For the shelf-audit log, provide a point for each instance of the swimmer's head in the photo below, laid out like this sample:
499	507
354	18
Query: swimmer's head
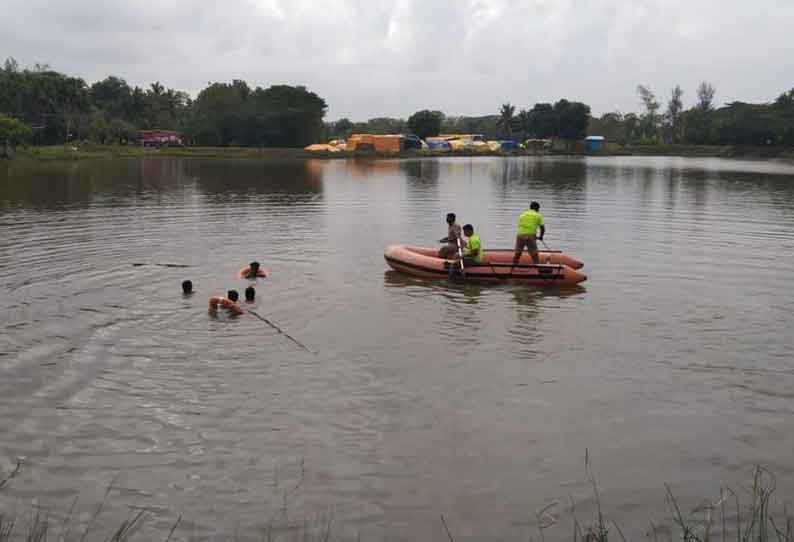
253	268
233	296
250	293
187	287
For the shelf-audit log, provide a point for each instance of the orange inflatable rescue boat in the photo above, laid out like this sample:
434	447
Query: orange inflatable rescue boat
555	269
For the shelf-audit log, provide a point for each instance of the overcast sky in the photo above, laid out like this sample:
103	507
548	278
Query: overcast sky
389	58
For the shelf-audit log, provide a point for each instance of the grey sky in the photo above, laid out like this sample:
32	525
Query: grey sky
389	58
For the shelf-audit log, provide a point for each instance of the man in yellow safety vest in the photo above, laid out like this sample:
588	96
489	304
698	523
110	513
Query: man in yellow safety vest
528	224
472	254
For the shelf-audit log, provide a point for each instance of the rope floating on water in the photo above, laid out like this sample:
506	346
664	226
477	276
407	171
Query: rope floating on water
138	264
287	335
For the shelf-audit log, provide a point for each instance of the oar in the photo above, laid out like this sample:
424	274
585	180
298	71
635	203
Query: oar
287	335
559	266
460	255
513	250
547	248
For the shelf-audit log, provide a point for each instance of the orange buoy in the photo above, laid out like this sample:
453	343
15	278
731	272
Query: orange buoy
497	266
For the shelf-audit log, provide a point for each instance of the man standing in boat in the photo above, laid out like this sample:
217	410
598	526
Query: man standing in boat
451	240
528	224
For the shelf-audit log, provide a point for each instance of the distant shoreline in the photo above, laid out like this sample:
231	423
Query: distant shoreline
93	151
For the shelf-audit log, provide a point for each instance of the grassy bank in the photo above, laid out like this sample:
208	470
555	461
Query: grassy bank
750	514
93	151
715	151
90	151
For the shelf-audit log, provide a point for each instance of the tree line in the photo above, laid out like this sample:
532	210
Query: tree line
704	123
565	119
43	106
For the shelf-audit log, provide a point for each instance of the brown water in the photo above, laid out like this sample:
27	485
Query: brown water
673	364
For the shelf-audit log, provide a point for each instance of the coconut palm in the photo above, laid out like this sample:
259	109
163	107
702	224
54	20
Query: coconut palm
506	119
157	88
524	119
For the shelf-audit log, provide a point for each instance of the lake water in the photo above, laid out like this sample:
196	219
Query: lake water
672	365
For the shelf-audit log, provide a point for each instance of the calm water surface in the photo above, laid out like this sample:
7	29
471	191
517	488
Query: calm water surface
673	364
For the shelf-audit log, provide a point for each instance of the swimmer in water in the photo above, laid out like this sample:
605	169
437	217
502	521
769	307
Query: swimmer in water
253	270
187	287
229	303
250	294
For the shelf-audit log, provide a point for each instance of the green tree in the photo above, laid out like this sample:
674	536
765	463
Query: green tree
426	123
384	125
784	111
698	123
161	106
740	123
98	128
13	133
523	119
291	116
122	132
705	97
631	123
542	121
650	120
506	119
112	95
572	119
11	65
341	128
485	125
613	126
672	116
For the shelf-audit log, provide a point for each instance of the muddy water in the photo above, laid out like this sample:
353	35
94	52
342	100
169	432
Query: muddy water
673	364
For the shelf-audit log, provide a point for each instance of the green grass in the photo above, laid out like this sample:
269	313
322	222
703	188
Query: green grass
90	151
753	517
715	151
93	151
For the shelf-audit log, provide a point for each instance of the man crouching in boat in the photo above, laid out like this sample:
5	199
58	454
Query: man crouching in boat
472	254
451	240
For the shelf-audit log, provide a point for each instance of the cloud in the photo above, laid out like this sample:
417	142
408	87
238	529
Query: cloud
373	58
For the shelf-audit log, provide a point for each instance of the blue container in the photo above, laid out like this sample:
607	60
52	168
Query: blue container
439	145
594	143
508	145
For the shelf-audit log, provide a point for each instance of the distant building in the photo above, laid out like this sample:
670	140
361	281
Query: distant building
594	143
159	138
468	138
537	145
391	143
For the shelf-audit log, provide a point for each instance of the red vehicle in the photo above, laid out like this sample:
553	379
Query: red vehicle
159	138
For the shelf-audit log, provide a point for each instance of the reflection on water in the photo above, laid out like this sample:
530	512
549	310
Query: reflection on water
672	365
119	181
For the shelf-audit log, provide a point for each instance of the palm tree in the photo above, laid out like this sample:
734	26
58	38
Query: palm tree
157	88
524	121
506	119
